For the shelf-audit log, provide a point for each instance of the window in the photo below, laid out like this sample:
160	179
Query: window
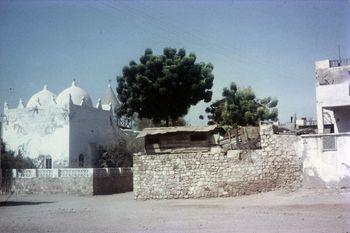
198	137
81	160
329	143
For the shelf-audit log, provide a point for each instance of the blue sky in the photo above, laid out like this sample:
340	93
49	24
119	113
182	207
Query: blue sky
268	45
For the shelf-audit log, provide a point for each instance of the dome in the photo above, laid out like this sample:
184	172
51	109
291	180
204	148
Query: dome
42	98
77	94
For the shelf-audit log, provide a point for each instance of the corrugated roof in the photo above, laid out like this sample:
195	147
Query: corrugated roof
164	130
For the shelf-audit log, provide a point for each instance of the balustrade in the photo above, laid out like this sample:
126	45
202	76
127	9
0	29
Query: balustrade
71	172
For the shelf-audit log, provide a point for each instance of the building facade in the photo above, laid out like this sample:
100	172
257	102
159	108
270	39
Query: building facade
326	155
333	96
61	131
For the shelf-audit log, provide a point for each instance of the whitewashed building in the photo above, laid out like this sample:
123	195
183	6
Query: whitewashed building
61	131
326	155
333	95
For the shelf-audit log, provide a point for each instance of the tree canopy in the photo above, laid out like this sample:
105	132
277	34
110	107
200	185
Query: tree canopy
241	107
163	87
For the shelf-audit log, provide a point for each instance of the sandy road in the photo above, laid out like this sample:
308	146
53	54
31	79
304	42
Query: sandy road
302	211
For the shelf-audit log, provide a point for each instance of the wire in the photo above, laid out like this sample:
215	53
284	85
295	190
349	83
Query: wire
169	24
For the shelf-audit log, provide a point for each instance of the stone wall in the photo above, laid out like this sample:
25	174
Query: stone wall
219	174
86	181
281	154
67	185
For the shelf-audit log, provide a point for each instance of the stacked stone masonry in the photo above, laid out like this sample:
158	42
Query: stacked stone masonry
217	174
79	181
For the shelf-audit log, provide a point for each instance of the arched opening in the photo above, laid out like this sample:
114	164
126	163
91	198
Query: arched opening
48	162
81	160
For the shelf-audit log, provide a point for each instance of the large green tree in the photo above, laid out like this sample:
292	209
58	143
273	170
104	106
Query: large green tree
241	107
163	87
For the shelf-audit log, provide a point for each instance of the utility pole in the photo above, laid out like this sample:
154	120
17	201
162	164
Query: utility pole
339	57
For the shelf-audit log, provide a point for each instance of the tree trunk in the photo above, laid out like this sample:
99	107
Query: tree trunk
167	121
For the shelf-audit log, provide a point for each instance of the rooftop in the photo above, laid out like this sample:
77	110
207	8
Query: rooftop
323	64
341	62
165	130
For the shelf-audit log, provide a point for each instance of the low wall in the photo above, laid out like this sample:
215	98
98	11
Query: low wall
68	185
118	182
326	166
219	174
81	181
113	184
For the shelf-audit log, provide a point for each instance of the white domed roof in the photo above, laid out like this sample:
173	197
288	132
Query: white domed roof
77	94
42	98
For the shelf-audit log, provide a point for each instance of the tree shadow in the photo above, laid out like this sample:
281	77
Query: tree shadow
20	203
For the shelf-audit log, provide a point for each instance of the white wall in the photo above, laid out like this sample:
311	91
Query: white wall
333	95
322	64
326	168
89	128
41	132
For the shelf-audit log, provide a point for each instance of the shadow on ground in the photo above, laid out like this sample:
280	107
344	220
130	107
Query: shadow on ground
19	203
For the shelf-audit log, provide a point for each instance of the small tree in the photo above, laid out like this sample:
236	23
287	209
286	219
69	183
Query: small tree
11	161
163	87
241	107
116	155
120	152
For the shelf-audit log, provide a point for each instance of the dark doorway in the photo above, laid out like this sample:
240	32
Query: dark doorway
81	160
48	162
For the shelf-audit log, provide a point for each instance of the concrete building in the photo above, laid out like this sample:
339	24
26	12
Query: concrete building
326	155
333	95
301	125
62	131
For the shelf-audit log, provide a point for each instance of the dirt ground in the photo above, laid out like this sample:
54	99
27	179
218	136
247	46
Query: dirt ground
302	211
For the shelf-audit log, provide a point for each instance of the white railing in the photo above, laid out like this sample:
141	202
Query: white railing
25	173
44	172
75	172
341	62
120	171
71	172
